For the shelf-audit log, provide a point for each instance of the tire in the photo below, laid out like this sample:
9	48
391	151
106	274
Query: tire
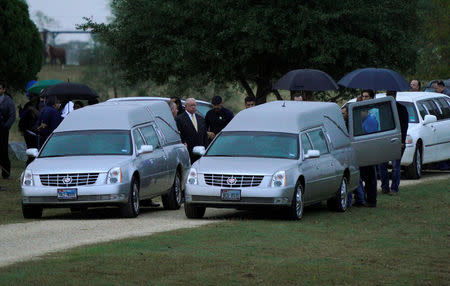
82	210
339	202
174	199
414	171
295	211
131	208
31	211
194	212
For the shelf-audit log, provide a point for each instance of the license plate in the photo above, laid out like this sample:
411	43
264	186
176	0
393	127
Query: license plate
230	195
67	194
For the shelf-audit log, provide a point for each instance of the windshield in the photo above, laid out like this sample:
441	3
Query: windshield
255	144
91	142
412	114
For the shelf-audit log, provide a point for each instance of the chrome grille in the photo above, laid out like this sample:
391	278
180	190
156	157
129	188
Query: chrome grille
240	181
62	180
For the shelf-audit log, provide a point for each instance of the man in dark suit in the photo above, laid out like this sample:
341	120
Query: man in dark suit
192	128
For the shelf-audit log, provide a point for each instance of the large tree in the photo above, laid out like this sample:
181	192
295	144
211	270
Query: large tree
256	42
21	48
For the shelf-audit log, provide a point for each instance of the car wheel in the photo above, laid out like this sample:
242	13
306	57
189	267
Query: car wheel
173	200
339	202
295	211
194	212
82	210
31	211
131	208
414	171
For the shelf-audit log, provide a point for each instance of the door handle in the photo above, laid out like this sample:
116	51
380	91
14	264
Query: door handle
394	140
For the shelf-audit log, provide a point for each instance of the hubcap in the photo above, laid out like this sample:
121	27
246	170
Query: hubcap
343	194
299	203
135	198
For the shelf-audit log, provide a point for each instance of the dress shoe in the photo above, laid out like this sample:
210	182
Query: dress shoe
385	191
392	193
369	205
358	204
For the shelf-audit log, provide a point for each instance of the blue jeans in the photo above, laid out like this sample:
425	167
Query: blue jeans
359	195
395	176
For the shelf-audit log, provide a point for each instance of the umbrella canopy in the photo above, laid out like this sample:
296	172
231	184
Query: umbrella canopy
42	84
306	79
376	79
70	91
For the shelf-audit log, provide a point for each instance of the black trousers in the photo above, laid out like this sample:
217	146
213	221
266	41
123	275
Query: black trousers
31	142
4	158
369	177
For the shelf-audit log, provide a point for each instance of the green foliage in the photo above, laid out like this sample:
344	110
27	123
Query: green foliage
255	42
21	48
434	53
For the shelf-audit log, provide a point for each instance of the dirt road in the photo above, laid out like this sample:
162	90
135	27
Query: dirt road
23	241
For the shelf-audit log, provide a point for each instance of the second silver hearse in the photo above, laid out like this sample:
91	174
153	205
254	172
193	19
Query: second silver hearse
113	153
289	155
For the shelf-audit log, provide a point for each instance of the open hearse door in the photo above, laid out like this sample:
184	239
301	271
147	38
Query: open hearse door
375	132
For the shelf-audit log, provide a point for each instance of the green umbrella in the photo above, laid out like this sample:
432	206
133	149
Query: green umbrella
40	85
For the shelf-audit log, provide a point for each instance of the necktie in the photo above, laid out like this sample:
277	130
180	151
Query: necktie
194	121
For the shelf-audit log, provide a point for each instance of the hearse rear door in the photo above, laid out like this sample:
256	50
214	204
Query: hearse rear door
374	129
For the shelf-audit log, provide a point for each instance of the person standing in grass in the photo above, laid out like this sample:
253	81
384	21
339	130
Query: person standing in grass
7	117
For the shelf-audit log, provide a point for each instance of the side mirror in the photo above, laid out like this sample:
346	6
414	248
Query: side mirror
145	149
312	154
429	119
32	152
199	150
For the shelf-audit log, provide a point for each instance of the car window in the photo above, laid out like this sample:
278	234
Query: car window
170	132
255	144
203	109
422	110
412	113
432	108
138	140
444	107
306	145
150	136
90	142
373	118
318	141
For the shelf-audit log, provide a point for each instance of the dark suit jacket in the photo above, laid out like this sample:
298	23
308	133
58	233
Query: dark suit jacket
189	135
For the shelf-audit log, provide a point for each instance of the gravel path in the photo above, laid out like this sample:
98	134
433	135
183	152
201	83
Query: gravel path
24	241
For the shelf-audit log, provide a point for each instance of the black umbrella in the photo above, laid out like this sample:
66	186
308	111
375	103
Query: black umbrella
376	79
70	91
306	79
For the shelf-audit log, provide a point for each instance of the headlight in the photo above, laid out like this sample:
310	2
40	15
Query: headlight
27	178
409	139
114	176
192	177
279	179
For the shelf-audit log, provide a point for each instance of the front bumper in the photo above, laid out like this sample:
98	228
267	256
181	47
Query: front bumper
86	195
408	155
205	195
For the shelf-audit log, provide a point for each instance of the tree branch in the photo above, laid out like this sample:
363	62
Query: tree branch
247	87
277	94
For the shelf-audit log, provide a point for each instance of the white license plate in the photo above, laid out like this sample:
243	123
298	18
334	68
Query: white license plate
230	195
67	194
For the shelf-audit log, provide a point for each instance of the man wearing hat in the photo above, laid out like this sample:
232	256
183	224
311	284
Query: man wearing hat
217	118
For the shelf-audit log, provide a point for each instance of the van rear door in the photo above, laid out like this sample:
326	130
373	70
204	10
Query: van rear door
375	132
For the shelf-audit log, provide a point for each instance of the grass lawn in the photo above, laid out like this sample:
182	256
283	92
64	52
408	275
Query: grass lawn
404	241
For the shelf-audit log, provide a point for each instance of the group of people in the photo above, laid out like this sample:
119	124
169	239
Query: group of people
37	120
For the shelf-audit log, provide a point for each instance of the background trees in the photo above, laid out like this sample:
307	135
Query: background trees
255	42
21	48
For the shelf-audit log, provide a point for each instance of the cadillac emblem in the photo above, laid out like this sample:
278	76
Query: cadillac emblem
231	180
67	180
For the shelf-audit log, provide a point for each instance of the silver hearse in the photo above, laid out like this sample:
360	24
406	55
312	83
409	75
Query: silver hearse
289	155
113	153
